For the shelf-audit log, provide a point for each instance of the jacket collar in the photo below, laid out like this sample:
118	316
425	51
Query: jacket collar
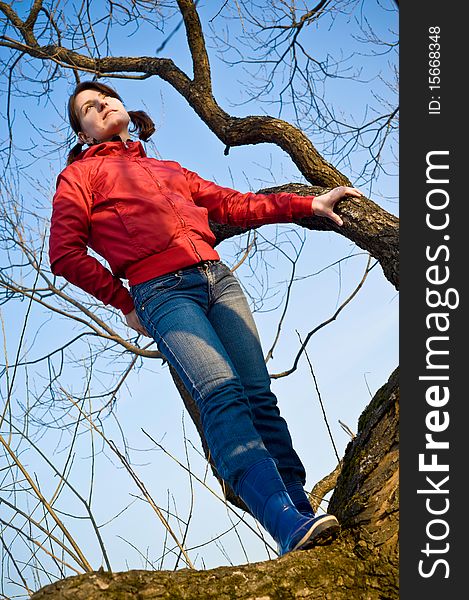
115	147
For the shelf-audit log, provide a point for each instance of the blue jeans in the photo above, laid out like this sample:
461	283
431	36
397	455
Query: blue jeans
203	326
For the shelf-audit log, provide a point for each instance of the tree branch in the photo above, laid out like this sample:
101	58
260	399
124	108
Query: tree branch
232	131
196	41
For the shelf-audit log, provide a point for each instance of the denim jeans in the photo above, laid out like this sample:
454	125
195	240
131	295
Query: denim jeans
203	326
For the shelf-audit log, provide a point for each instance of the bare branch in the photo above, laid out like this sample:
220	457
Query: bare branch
82	560
323	487
196	40
323	324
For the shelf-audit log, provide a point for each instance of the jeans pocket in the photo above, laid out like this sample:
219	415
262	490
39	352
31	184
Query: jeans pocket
150	290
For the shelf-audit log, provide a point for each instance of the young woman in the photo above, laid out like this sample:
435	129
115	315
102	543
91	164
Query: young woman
149	219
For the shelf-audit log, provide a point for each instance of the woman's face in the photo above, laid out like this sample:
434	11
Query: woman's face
101	117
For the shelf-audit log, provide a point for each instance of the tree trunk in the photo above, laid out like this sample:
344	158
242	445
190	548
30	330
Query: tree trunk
362	564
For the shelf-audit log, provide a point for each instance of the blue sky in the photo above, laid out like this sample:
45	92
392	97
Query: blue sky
352	357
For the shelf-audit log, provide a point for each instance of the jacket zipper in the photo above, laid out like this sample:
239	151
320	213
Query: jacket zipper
173	206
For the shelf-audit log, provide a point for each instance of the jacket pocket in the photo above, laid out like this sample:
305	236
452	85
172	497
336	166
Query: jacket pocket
197	222
151	225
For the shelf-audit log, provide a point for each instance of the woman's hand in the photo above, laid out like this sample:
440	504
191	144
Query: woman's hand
134	322
323	206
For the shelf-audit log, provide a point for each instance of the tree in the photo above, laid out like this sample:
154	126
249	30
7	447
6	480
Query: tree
49	43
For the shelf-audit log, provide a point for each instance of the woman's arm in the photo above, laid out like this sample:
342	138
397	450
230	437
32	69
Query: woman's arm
68	243
226	205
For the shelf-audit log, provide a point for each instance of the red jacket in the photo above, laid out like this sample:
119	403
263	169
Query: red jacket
146	217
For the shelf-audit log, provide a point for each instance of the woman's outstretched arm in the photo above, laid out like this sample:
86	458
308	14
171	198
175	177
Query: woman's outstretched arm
229	206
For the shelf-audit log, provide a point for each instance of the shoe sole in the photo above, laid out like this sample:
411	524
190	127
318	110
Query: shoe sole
322	532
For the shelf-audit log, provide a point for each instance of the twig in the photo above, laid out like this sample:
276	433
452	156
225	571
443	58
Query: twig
208	488
82	560
320	401
324	486
138	482
323	324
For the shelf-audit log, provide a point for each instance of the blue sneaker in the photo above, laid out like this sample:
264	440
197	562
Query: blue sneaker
318	531
264	493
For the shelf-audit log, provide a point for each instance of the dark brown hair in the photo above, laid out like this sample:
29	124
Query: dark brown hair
141	122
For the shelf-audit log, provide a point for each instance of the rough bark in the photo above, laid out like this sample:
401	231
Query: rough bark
362	564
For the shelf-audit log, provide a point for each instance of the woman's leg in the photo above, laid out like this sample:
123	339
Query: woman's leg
232	320
173	310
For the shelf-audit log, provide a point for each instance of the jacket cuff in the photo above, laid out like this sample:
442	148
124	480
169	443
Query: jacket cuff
123	301
301	207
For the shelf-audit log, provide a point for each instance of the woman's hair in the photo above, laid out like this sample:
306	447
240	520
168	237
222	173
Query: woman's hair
141	122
